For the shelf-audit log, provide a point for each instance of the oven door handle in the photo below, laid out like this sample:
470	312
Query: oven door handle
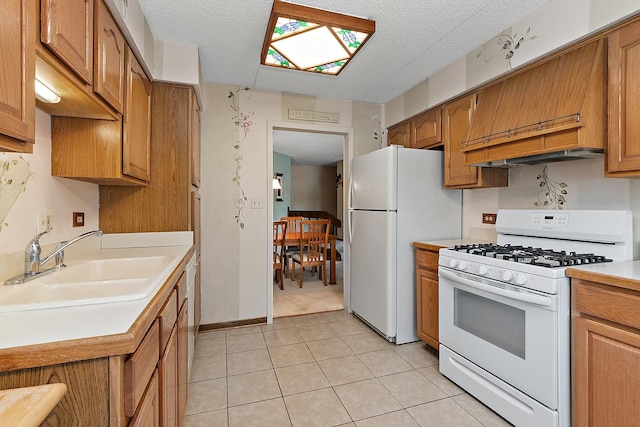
518	296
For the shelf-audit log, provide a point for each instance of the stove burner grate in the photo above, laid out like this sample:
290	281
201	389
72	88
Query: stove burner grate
530	255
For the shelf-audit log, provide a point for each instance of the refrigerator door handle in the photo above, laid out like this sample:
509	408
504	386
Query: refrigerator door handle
350	226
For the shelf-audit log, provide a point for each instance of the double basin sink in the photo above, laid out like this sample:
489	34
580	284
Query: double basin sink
95	281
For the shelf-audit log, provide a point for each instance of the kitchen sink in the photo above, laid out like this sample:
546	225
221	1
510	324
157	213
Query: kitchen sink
93	282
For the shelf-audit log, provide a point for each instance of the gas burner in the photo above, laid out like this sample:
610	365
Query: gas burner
530	255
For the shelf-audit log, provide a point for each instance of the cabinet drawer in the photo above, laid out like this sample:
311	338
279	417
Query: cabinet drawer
139	367
167	317
426	259
606	302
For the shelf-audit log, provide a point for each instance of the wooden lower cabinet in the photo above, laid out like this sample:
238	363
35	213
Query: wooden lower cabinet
427	295
605	355
148	414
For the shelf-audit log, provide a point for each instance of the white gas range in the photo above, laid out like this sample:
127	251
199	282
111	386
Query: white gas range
505	308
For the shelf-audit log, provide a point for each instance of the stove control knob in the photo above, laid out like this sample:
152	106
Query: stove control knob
483	270
521	279
462	265
453	263
507	276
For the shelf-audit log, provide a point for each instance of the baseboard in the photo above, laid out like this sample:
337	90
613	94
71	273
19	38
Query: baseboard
224	325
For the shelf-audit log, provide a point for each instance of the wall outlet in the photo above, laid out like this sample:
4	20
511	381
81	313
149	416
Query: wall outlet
45	221
256	203
78	219
489	218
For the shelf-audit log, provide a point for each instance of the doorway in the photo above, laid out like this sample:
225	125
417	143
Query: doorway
313	297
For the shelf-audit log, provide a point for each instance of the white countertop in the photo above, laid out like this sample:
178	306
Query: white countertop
629	270
42	326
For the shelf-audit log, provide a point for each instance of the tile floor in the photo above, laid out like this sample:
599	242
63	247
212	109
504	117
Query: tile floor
325	369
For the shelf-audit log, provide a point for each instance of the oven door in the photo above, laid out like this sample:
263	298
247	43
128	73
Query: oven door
509	331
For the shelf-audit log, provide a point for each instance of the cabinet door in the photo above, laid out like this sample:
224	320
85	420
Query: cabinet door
624	105
148	414
67	30
17	68
457	119
195	141
168	372
183	360
400	135
108	80
606	378
136	127
426	129
427	310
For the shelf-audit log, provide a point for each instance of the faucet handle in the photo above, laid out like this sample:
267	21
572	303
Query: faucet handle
32	253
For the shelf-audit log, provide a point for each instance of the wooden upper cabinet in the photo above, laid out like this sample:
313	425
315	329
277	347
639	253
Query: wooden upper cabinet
136	127
110	45
400	135
623	156
457	117
456	122
17	71
426	129
67	30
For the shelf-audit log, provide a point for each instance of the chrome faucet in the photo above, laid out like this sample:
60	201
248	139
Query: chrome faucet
32	262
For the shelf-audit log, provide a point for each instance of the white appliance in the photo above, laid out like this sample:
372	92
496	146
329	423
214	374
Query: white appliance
505	308
396	197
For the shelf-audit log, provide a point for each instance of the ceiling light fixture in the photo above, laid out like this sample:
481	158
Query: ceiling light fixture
307	39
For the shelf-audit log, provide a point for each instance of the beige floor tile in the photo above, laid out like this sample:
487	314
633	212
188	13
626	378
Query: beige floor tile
309	319
337	316
411	388
349	327
208	368
281	323
292	354
418	354
267	413
486	416
329	349
384	362
248	361
443	412
364	343
282	337
243	330
210	347
316	408
300	378
316	332
237	343
207	419
392	419
344	370
443	383
365	399
206	335
207	396
253	387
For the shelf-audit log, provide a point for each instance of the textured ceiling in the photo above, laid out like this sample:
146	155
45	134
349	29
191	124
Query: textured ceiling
413	40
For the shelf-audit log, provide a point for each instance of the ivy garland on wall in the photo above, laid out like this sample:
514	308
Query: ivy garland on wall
238	135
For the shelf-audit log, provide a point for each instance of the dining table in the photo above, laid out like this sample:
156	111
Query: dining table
293	239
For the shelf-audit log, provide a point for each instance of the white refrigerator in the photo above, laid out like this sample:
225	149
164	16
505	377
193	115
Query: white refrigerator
396	197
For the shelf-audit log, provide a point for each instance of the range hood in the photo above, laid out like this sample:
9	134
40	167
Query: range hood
552	112
556	156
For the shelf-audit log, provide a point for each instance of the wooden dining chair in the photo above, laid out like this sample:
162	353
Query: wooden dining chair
293	226
314	238
279	233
